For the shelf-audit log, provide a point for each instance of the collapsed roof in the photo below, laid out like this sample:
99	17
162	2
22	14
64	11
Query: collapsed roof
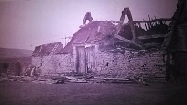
93	32
116	33
48	49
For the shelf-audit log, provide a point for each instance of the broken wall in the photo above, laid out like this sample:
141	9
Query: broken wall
12	69
55	64
130	64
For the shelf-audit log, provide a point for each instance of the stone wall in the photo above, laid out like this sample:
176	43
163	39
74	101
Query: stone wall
12	69
108	64
55	64
130	64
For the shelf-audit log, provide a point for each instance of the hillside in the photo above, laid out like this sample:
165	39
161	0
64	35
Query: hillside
14	53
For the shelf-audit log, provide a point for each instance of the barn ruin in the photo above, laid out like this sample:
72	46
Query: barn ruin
113	49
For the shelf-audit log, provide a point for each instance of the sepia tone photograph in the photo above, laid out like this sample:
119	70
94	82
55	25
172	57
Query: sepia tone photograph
93	52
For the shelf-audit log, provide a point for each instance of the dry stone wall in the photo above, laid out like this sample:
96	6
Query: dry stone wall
55	64
130	64
108	64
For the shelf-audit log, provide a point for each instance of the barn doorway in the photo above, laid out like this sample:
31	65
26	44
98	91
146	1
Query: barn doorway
85	59
90	64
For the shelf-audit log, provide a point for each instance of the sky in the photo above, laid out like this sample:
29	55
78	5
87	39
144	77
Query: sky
25	24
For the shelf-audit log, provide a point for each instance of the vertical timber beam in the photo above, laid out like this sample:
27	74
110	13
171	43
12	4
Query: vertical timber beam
75	58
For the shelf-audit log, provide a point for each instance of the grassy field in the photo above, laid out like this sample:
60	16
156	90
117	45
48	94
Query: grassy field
6	53
16	93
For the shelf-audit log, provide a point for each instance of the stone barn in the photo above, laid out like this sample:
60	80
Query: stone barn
109	49
97	50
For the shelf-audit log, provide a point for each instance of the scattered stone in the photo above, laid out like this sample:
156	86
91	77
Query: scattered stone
3	80
81	81
60	82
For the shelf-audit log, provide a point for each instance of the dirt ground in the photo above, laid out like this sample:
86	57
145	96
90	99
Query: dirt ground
16	93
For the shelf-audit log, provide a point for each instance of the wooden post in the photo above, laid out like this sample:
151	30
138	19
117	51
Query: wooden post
75	57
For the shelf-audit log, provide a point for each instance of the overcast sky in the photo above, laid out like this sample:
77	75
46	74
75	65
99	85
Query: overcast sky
25	24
